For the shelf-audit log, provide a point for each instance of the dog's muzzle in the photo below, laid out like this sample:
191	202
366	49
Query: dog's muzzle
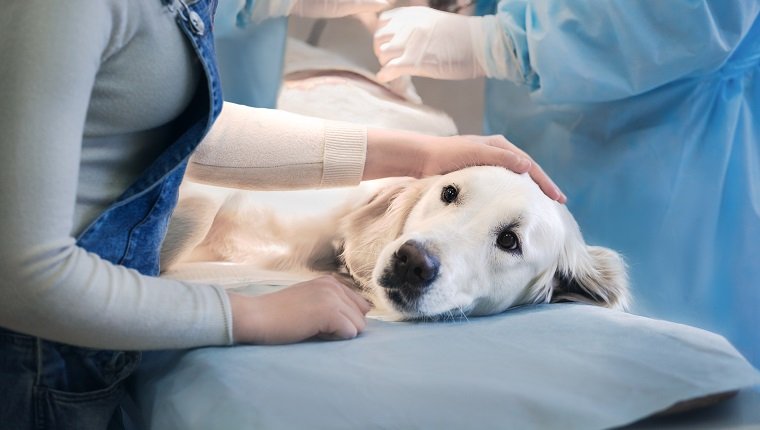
412	267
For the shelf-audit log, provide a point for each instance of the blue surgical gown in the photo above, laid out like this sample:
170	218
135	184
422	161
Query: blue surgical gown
250	55
647	114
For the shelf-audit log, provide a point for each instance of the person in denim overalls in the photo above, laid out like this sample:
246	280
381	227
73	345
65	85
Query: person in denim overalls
53	385
45	381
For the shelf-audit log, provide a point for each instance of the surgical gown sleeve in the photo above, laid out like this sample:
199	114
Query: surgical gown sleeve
601	50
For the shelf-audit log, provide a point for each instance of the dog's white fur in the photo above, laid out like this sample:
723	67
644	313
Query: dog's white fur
474	275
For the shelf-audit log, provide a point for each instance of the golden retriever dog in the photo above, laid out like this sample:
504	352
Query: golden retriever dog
476	241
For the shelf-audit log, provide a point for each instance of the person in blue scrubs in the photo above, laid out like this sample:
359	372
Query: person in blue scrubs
646	113
250	38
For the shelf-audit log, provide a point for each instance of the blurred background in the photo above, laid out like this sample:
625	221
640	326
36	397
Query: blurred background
348	37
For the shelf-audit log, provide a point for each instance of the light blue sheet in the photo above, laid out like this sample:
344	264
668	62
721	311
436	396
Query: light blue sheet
548	366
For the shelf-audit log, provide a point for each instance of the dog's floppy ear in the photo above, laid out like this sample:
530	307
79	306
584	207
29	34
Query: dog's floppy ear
582	273
591	274
372	225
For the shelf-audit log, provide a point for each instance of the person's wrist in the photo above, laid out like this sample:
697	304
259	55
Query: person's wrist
244	318
395	153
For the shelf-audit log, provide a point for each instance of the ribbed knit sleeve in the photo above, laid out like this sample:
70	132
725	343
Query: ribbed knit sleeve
268	149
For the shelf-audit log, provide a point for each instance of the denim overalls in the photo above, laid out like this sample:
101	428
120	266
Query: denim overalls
48	385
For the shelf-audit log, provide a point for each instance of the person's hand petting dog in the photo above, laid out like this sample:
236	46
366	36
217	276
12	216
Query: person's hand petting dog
400	153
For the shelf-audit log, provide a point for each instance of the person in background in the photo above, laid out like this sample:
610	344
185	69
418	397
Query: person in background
104	105
648	115
250	39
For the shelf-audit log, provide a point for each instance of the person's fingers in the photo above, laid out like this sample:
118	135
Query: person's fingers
361	303
535	171
352	298
546	184
512	160
356	318
339	327
344	279
500	141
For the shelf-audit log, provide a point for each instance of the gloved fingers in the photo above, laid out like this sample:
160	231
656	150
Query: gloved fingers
382	35
392	34
388	15
421	41
388	39
397	55
385	49
394	69
398	48
382	44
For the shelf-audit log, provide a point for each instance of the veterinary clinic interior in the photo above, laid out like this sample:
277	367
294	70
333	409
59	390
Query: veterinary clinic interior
380	214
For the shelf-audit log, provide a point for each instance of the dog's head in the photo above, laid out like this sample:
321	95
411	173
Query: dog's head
476	241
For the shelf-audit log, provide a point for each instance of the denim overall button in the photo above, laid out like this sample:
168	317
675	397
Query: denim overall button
196	23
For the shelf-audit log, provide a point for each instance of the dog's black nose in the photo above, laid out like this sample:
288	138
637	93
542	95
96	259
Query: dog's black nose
414	266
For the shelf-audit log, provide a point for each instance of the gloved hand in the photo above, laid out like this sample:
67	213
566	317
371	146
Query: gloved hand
426	42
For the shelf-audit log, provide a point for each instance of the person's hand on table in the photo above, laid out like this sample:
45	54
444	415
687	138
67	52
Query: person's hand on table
323	307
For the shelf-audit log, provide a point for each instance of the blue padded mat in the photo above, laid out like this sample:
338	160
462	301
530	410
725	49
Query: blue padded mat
549	366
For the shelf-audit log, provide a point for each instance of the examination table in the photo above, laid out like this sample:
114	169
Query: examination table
559	366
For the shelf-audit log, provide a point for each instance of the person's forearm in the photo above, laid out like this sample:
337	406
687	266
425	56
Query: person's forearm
60	292
253	148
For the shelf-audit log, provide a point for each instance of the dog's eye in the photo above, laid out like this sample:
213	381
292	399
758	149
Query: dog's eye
508	241
449	194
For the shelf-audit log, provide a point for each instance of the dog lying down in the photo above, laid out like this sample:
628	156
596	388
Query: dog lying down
476	241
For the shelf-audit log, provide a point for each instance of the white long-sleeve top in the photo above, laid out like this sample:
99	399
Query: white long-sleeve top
88	92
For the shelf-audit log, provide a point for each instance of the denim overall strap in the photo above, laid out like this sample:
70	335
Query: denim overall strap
48	385
135	225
